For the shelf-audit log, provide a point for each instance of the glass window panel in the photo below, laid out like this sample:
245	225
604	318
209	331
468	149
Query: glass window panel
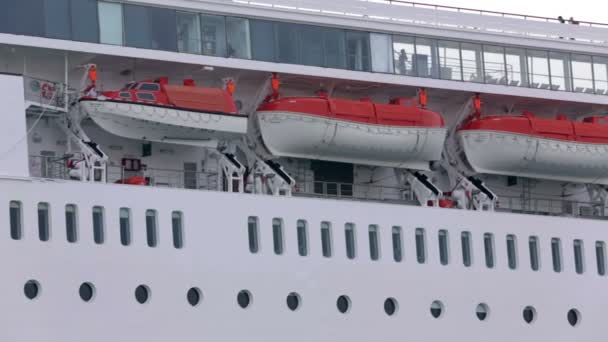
512	251
253	235
494	64
24	17
397	244
98	225
579	258
163	29
110	23
302	232
326	239
538	69
262	40
287	43
472	63
151	231
349	237
488	246
403	55
334	42
137	33
425	60
57	19
516	67
125	226
44	230
600	75
374	243
277	235
582	75
188	32
534	253
213	35
382	50
177	225
467	254
357	51
237	33
449	60
420	246
560	74
556	254
444	254
310	49
84	21
16	221
600	257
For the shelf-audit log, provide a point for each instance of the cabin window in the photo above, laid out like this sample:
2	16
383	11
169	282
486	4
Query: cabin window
600	256
397	244
151	223
420	246
467	251
110	23
444	252
213	33
349	237
326	239
358	50
374	245
534	253
149	87
146	97
252	232
277	235
125	226
381	52
579	258
125	95
143	28
177	225
488	244
302	234
98	225
288	44
512	251
262	48
188	32
556	254
71	225
44	228
238	37
16	223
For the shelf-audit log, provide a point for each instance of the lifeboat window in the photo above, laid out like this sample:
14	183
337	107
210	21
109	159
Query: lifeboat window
512	251
277	235
467	255
71	226
534	255
151	222
349	237
43	222
326	239
397	244
146	96
302	232
98	225
125	95
556	254
488	244
149	87
252	231
16	222
600	255
579	263
177	225
420	246
125	226
444	253
374	244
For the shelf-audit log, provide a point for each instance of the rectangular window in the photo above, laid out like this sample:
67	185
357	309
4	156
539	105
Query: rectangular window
151	231
349	237
98	225
467	254
16	221
450	67
403	55
516	66
71	223
84	20
556	254
494	64
444	252
57	19
472	63
150	27
579	256
326	239
44	233
334	43
311	52
262	46
374	244
136	26
177	225
23	17
560	71
110	23
600	75
397	244
512	251
534	253
425	61
488	245
302	232
600	257
252	233
382	52
420	246
213	35
582	74
237	33
125	226
538	69
188	32
287	41
358	51
277	235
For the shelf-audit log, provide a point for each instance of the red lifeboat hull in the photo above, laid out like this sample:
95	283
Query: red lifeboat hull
400	134
528	146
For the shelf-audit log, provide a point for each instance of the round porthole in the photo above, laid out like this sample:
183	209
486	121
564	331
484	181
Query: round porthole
31	289
343	303
574	317
482	311
142	294
293	301
244	299
390	306
529	314
86	291
194	296
437	309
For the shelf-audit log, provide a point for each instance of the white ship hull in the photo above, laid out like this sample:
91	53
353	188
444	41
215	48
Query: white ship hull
313	137
528	156
152	123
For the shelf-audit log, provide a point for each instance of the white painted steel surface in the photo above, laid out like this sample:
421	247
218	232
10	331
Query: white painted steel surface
528	156
13	131
299	135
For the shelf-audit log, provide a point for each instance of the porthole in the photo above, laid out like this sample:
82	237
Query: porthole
482	311
142	294
293	301
86	291
31	289
343	303
194	296
529	314
244	299
390	306
437	309
574	317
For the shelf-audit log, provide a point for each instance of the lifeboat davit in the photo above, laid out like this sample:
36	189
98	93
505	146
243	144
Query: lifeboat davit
399	134
530	146
156	111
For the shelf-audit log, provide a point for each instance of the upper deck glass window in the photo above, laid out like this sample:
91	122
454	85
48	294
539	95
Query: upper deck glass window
188	32
449	60
403	55
57	19
85	27
358	50
213	35
238	38
262	48
110	23
150	27
382	52
288	43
